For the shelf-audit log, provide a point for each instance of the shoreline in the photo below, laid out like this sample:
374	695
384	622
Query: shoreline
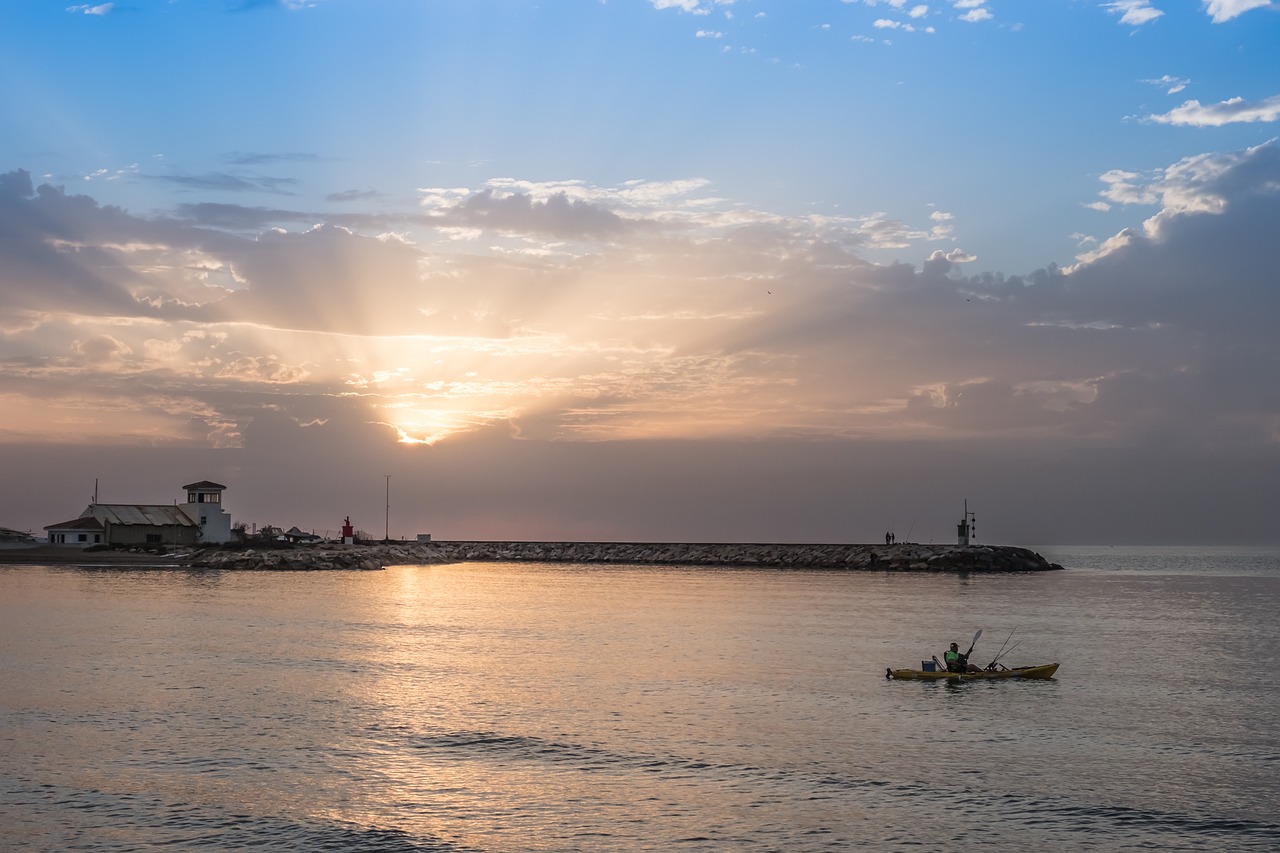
53	555
899	557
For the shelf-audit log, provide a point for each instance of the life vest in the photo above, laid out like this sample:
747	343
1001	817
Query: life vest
953	660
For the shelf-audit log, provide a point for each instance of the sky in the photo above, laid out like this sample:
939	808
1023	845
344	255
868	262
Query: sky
647	270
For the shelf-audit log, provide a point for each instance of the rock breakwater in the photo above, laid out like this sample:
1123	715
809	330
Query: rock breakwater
889	558
903	557
324	557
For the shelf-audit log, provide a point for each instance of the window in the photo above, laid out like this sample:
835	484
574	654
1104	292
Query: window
83	537
153	538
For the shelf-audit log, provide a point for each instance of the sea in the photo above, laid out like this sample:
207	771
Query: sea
476	707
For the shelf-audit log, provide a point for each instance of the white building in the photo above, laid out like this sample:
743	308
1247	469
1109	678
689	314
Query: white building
200	520
78	532
204	507
126	524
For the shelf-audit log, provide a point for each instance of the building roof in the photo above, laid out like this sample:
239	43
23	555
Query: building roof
10	535
155	515
204	484
82	523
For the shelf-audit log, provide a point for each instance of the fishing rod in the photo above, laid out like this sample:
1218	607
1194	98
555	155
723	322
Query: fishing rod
1002	654
1002	645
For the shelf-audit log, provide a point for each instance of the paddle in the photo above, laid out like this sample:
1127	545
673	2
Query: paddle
965	660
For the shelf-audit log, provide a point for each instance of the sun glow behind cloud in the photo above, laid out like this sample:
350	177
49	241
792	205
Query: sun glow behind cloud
565	312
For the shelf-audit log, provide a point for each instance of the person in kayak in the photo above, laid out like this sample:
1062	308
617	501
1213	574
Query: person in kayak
957	662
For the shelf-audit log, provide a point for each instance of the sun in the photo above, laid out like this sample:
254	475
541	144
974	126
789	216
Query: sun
416	424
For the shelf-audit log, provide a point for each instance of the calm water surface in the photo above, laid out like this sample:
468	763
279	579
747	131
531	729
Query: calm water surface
520	707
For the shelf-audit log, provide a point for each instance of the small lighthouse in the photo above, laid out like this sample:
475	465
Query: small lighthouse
348	534
966	530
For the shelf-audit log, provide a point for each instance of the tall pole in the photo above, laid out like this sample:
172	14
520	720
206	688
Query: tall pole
967	523
386	534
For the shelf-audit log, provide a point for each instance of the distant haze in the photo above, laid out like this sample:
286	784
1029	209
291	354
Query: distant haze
683	271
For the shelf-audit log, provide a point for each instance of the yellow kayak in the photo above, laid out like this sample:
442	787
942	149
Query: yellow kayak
1018	672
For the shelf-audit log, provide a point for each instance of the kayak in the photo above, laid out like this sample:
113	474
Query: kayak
1018	672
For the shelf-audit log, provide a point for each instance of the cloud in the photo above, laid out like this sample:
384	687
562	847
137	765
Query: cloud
1204	184
1225	10
1172	85
353	195
291	5
225	182
889	24
650	312
242	158
558	215
67	251
100	9
955	256
237	217
326	279
261	368
1133	12
977	10
100	348
694	7
1232	111
660	324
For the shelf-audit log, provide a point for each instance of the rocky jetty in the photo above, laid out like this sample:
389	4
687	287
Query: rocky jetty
324	557
888	558
899	557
